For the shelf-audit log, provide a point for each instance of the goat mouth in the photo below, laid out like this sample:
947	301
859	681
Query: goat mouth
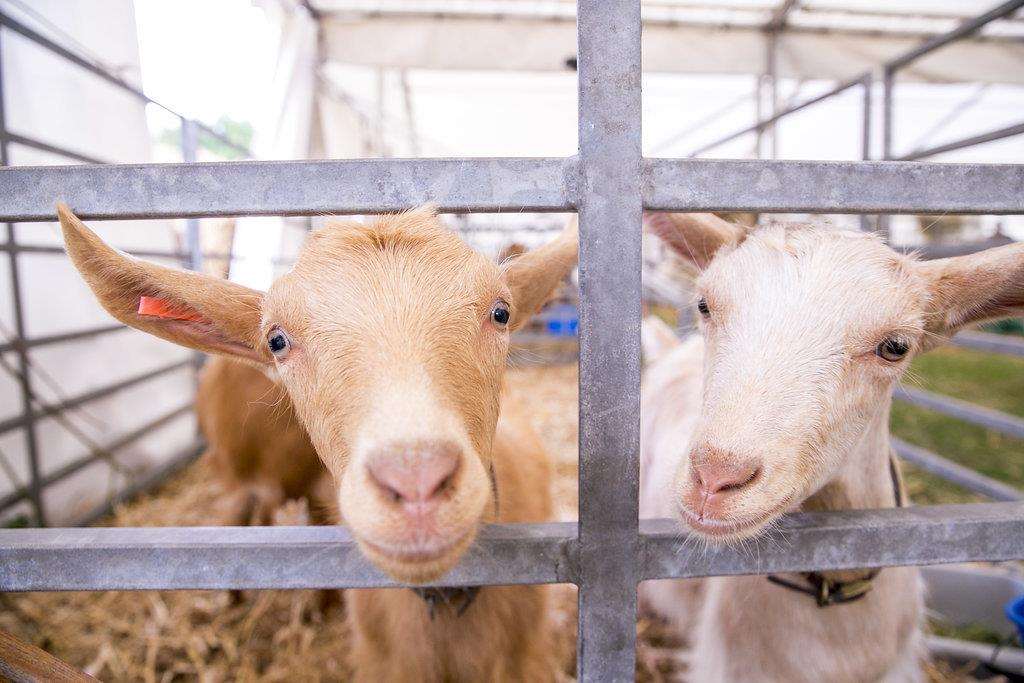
423	555
721	529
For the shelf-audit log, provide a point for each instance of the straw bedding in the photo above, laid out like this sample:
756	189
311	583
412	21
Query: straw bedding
213	636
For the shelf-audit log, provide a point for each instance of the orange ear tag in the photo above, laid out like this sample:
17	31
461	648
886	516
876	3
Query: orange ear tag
161	308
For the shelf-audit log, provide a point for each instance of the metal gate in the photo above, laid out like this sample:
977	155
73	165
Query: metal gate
608	183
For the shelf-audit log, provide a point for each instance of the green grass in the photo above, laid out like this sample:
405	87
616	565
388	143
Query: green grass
990	380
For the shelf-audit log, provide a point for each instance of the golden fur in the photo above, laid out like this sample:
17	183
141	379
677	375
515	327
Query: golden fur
391	342
254	441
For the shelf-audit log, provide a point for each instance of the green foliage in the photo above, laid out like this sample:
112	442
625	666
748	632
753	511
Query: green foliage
239	132
989	380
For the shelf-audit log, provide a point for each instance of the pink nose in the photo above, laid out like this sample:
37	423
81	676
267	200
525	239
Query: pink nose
415	472
720	477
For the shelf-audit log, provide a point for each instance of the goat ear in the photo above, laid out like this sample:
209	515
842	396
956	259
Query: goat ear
696	237
968	289
190	309
534	275
656	338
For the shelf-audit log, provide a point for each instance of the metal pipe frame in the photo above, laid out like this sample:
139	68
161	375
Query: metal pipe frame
991	136
219	558
105	452
992	343
67	55
24	379
35	414
988	418
608	183
955	473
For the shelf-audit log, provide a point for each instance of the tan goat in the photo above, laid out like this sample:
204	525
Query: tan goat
783	405
255	442
391	340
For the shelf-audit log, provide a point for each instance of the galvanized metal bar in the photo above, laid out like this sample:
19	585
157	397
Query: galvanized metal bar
98	71
144	253
32	143
24	379
888	112
71	403
964	30
36	342
112	558
832	186
609	378
992	343
991	136
938	534
962	410
286	188
175	558
377	185
868	83
150	481
104	452
768	122
955	473
189	149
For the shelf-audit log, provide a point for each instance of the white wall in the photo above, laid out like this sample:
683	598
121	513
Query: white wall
64	105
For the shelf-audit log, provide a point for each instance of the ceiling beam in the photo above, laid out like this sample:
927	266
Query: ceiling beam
781	15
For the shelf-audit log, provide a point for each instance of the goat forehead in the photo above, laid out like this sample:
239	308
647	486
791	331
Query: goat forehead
350	272
815	283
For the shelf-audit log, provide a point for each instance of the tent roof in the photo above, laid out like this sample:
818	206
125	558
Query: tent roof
820	39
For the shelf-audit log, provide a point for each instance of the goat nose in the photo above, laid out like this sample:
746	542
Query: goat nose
720	477
416	472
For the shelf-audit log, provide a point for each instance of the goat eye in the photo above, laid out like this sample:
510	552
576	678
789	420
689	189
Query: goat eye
278	343
702	306
892	350
500	314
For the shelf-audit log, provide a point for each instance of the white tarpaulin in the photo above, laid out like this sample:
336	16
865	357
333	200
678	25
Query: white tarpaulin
470	43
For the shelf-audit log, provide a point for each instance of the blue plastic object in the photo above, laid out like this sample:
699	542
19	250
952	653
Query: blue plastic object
562	320
1015	613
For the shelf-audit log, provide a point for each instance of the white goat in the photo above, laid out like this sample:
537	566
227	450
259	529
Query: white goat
783	405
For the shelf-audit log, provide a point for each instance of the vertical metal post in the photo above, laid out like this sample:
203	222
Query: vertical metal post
865	131
24	380
887	134
193	238
609	204
189	151
410	115
772	59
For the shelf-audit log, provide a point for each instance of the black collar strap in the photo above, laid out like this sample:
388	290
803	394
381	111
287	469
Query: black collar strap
828	592
458	598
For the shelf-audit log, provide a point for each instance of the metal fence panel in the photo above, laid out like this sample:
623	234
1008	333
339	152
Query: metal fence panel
609	379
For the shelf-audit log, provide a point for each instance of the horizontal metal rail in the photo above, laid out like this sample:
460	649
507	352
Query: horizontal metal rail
955	473
991	136
146	483
381	185
176	558
286	187
41	146
832	186
988	418
964	30
21	29
863	80
992	343
144	253
59	338
71	403
102	453
938	534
